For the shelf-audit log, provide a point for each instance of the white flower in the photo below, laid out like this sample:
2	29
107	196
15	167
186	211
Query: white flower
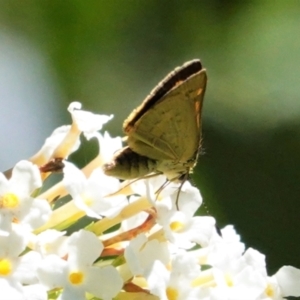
140	254
16	270
221	248
233	275
87	122
185	231
288	282
50	242
256	260
16	203
65	139
54	140
77	275
174	282
91	194
237	282
180	226
188	200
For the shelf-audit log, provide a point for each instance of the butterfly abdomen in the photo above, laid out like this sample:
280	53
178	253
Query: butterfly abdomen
126	164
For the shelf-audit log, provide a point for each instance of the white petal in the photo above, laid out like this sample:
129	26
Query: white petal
189	199
86	121
11	288
35	292
108	146
103	184
73	106
74	180
72	294
99	186
157	279
26	270
52	272
90	212
201	230
52	142
132	254
51	241
104	283
12	244
84	247
39	213
256	259
288	279
5	223
25	178
154	250
134	221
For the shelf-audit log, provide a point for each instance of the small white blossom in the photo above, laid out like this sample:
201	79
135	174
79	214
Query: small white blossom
185	231
16	270
234	275
50	242
87	122
221	248
77	275
288	279
91	194
237	282
140	254
181	227
54	140
16	203
174	282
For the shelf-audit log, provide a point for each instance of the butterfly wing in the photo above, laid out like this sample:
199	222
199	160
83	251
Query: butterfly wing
167	126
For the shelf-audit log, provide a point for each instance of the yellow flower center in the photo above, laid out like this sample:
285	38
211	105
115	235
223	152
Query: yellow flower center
229	280
5	267
9	200
176	226
87	200
76	277
269	291
172	294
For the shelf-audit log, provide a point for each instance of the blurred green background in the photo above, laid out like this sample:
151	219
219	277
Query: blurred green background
110	54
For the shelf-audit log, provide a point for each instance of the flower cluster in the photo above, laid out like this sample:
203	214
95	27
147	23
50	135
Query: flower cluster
90	236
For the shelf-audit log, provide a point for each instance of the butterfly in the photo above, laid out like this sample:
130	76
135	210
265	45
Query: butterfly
163	134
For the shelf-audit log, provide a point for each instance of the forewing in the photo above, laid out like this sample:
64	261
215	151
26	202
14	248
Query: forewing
171	127
178	75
